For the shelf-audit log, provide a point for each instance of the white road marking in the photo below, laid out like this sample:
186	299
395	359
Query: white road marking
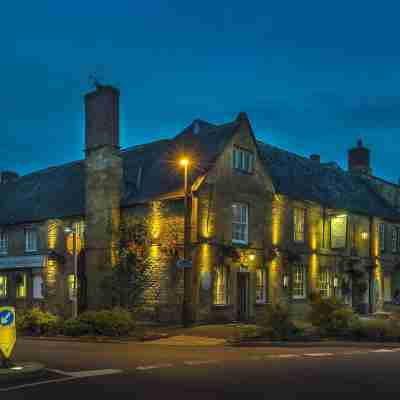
318	354
200	362
355	352
70	377
382	351
155	366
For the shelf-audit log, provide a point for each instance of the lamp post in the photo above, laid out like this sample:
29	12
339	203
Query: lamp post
69	230
186	237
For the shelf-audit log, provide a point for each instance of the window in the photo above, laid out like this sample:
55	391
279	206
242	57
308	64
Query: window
382	236
71	286
394	239
21	286
221	285
30	240
240	223
3	286
80	232
3	242
387	288
298	224
37	287
261	286
243	160
338	231
325	284
299	282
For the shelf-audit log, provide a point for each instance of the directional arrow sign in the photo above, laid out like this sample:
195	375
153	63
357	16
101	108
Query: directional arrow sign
8	335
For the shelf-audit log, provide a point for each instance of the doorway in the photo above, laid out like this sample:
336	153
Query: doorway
243	296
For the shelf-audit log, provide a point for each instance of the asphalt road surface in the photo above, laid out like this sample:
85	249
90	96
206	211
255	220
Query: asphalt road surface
149	371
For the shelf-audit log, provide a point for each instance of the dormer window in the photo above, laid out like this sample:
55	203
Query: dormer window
243	160
3	242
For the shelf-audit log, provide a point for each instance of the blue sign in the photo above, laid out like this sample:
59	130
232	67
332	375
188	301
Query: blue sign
6	318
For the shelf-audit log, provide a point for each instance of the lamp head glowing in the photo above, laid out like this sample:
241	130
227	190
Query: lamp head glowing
184	162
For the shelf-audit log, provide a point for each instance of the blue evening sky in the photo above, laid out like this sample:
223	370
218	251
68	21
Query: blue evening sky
313	76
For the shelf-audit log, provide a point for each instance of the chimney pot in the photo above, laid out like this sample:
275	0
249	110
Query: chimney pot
315	157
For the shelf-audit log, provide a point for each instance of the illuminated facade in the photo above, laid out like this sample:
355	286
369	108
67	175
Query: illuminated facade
266	225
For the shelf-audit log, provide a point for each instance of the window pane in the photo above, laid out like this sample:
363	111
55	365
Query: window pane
37	287
261	287
71	286
325	283
3	286
240	223
298	224
298	285
3	242
21	286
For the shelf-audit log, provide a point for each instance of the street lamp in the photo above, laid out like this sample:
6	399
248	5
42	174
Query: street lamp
184	162
68	231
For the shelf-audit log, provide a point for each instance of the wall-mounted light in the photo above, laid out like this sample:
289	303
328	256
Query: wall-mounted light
335	282
364	235
252	257
285	281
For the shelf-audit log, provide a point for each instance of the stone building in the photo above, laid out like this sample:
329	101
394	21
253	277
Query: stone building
266	225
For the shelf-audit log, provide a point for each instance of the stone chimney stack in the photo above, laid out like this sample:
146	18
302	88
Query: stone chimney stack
359	159
103	186
316	158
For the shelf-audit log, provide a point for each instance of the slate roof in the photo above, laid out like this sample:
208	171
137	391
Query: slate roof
327	184
59	192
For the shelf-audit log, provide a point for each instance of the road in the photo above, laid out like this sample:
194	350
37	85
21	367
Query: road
144	371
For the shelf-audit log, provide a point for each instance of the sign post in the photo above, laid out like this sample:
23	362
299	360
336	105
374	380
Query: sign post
8	335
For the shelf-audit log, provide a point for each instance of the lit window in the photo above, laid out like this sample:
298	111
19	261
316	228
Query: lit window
387	288
3	286
240	223
325	286
394	239
3	242
243	160
80	233
338	231
382	236
298	224
30	240
37	287
21	286
261	286
221	285
71	287
299	282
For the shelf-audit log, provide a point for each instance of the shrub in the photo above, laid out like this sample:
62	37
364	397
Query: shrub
376	329
75	327
115	322
38	322
278	323
331	315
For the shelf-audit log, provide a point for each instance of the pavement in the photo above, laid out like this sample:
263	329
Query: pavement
146	370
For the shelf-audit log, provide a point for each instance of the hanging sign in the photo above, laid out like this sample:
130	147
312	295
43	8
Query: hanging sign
8	335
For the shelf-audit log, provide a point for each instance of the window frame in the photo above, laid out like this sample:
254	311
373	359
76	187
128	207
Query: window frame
3	286
22	287
71	286
224	285
28	242
395	239
299	211
34	287
239	156
328	282
345	235
303	269
261	286
3	242
241	224
382	236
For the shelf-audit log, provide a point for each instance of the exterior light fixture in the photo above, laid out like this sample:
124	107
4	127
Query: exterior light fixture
335	282
184	162
285	281
252	257
364	235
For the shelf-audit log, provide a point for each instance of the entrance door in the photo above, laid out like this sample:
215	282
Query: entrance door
243	296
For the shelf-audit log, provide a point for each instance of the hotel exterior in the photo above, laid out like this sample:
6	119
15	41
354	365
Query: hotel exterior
266	225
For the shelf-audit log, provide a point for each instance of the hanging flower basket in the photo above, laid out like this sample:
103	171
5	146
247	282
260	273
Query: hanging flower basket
271	254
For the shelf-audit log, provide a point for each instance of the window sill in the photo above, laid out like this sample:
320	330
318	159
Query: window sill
222	306
240	242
